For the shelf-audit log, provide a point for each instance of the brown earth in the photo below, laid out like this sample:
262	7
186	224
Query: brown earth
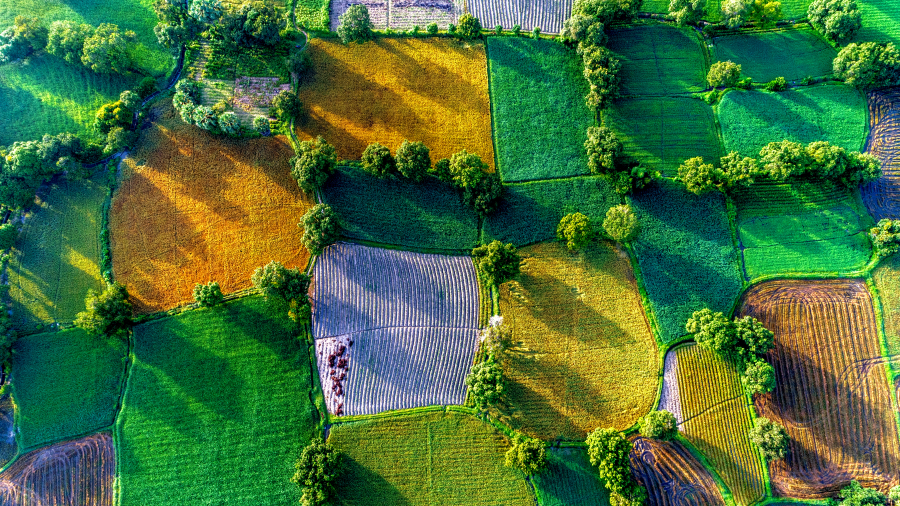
672	476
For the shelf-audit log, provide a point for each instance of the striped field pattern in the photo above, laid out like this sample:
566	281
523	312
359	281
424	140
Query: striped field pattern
672	476
670	399
548	15
883	196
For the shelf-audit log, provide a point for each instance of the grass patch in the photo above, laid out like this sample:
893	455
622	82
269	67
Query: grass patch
791	53
400	212
686	255
312	14
887	280
881	21
659	59
217	409
435	457
664	132
569	480
65	384
540	119
56	255
833	113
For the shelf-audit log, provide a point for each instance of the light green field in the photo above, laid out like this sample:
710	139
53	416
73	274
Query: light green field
791	9
570	480
659	60
792	54
881	21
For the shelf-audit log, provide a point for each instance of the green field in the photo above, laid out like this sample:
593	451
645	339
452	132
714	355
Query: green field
792	54
55	258
570	480
530	212
887	282
218	407
65	384
433	457
881	21
537	101
833	113
664	132
801	227
685	253
398	212
790	9
313	14
659	60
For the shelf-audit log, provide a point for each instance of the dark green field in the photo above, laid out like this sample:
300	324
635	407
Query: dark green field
792	54
659	60
570	480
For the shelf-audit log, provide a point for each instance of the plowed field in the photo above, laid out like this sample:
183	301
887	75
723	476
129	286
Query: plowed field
883	196
672	476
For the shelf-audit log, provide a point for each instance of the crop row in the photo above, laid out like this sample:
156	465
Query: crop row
672	476
883	196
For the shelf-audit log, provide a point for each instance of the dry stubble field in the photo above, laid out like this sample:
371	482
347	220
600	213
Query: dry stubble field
672	475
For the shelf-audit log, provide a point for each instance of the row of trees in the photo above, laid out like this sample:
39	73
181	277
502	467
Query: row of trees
577	231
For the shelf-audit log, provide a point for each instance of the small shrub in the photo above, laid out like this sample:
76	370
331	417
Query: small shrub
658	425
321	227
621	223
432	29
808	80
771	439
497	262
527	455
261	126
208	295
451	29
745	83
377	160
536	33
576	230
498	30
777	84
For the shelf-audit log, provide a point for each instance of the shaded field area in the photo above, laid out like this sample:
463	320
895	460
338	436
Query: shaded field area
831	112
789	8
435	457
548	15
583	355
8	446
569	480
74	473
401	14
672	475
398	212
664	132
218	407
887	280
55	259
833	396
717	420
65	384
193	208
659	59
882	197
882	21
792	54
429	90
540	118
801	227
686	255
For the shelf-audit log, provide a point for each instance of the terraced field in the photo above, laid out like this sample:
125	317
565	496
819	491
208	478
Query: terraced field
790	53
548	15
569	480
672	475
833	398
659	60
882	197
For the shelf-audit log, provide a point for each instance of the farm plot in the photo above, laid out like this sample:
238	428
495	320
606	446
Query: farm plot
887	280
686	255
882	197
659	60
672	475
217	408
834	398
670	396
831	112
792	54
402	14
664	132
65	384
717	420
429	458
313	14
801	227
55	260
8	447
396	211
74	473
882	21
548	15
569	480
194	208
791	9
429	90
530	212
583	354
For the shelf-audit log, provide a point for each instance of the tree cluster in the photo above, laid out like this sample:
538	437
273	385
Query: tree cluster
27	164
208	295
284	288
315	472
176	24
287	106
605	154
321	227
885	236
771	439
253	23
868	65
658	425
313	164
855	494
115	120
497	262
837	20
215	120
486	383
25	36
609	452
527	455
737	13
107	313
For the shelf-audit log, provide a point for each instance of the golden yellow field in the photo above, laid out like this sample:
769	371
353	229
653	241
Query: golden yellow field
429	90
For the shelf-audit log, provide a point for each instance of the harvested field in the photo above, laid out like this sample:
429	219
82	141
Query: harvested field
883	196
65	384
569	480
887	280
359	94
834	397
402	14
670	397
791	53
74	473
436	457
717	420
672	475
398	212
659	60
55	260
548	15
8	446
194	208
583	354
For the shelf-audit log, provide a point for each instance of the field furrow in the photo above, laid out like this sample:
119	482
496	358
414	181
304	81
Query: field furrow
672	476
569	480
883	196
548	15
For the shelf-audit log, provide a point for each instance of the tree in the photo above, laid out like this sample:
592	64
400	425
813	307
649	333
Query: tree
700	177
658	425
894	493
755	339
885	236
284	288
527	455
739	171
771	439
723	74
863	168
601	69
413	160
687	11
321	227
261	125
621	224
441	170
208	295
253	23
784	159
206	11
314	163
8	234
355	25
66	40
315	472
713	331
607	11
603	149
469	27
481	189
112	115
107	313
737	13
497	262
837	20
377	160
610	453
777	84
496	337
287	106
855	494
868	65
117	139
106	51
486	383
758	377
298	62
631	177
576	230
575	29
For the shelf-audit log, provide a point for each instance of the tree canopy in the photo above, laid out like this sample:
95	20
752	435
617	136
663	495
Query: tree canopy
837	20
609	452
497	262
321	227
576	230
413	160
527	455
314	163
621	224
107	313
316	471
486	383
868	65
377	160
355	25
658	425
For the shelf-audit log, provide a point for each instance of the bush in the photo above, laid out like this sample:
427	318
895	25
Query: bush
658	425
441	170
771	439
316	471
745	83
321	227
432	29
610	452
575	229
603	150
469	27
855	494
261	126
723	74
377	160
497	262
784	159
486	383
287	106
777	84
314	163
687	11
837	20
527	455
230	124
355	25
451	29
758	378
737	13
66	40
536	33
413	160
107	313
607	11
868	65
208	295
284	288
8	235
498	30
633	177
885	236
621	224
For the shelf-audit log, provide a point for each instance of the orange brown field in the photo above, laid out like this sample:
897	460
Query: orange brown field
672	475
833	395
429	90
194	208
887	281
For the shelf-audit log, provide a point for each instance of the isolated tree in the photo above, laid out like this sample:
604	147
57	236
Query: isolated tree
836	20
208	295
355	25
287	106
314	163
321	227
576	230
107	313
621	224
603	150
316	471
771	439
687	11
754	338
758	377
486	383
413	160
527	455
700	177
724	74
66	40
481	189
885	236
868	65
284	288
106	51
206	11
609	452
377	160
713	330
658	425
497	262
469	27
784	159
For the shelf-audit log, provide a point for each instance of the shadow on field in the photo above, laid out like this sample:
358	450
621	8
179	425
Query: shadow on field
250	321
360	485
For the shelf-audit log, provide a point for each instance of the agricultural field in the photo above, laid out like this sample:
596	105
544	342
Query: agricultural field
789	53
659	60
217	407
402	14
65	384
672	475
663	132
882	21
193	208
801	227
363	93
395	211
8	446
831	112
583	354
717	420
429	457
833	395
55	259
569	480
882	197
537	100
791	9
685	253
313	14
887	281
548	15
